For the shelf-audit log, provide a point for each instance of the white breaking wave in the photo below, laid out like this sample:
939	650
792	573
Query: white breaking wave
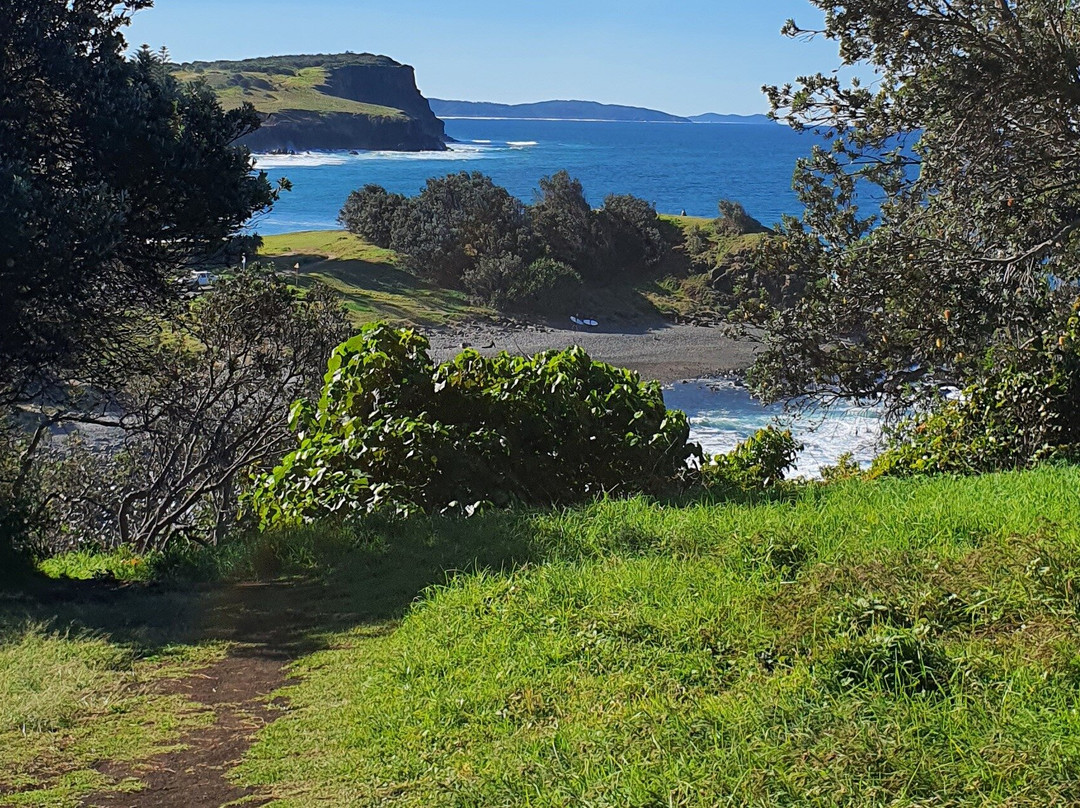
314	159
305	159
517	144
722	414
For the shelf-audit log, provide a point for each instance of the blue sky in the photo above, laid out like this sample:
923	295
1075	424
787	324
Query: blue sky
681	56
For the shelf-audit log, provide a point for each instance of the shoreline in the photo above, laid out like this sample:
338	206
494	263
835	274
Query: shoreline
660	351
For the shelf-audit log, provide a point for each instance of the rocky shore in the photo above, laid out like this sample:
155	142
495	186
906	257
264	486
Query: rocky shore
660	351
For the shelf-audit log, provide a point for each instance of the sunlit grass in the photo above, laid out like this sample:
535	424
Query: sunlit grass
899	642
273	92
368	279
882	644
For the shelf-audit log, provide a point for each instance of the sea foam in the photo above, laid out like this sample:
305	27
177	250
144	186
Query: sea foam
314	159
722	414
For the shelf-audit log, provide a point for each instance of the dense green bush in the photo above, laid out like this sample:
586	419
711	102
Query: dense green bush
564	221
466	232
507	282
372	213
758	462
1024	409
455	221
394	432
630	232
733	220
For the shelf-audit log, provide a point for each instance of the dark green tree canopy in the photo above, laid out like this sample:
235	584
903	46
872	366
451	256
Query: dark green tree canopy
969	137
112	178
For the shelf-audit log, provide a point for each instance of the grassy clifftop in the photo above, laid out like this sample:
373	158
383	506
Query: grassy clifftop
326	101
273	88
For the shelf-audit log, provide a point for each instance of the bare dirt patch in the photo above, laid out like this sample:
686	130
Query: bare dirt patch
237	689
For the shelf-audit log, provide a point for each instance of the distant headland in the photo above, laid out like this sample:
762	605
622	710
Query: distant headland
578	111
360	101
326	101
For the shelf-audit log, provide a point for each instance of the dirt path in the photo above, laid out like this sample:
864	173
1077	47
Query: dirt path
269	636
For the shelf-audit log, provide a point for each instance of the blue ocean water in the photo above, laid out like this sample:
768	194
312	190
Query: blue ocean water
675	166
722	414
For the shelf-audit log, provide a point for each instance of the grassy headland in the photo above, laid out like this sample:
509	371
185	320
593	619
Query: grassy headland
324	101
375	288
273	92
865	643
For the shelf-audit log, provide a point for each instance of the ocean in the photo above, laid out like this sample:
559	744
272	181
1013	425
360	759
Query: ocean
722	413
677	167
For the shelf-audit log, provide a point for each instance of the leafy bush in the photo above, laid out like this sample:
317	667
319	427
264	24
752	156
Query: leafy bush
846	468
564	221
735	221
393	432
466	232
507	282
457	220
631	233
1022	411
372	213
758	462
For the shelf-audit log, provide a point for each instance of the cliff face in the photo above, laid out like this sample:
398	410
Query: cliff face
295	130
387	86
326	101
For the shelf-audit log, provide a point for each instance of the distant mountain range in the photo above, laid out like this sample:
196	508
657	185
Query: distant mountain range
577	111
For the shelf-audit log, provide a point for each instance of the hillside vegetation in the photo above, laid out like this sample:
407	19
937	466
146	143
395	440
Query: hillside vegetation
864	643
375	287
270	91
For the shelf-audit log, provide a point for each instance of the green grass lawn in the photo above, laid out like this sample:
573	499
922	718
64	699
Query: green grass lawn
368	279
897	643
274	92
83	682
889	643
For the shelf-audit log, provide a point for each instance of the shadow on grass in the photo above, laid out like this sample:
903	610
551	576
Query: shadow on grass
377	289
289	591
283	593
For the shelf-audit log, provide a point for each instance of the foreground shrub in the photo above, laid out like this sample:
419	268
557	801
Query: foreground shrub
1022	410
392	431
758	462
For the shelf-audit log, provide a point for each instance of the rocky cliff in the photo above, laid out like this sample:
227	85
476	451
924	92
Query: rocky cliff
326	101
298	130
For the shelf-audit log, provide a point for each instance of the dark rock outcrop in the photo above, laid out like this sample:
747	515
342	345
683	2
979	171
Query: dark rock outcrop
392	85
295	130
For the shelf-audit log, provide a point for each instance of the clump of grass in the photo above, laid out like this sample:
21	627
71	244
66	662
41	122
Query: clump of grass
71	698
121	564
